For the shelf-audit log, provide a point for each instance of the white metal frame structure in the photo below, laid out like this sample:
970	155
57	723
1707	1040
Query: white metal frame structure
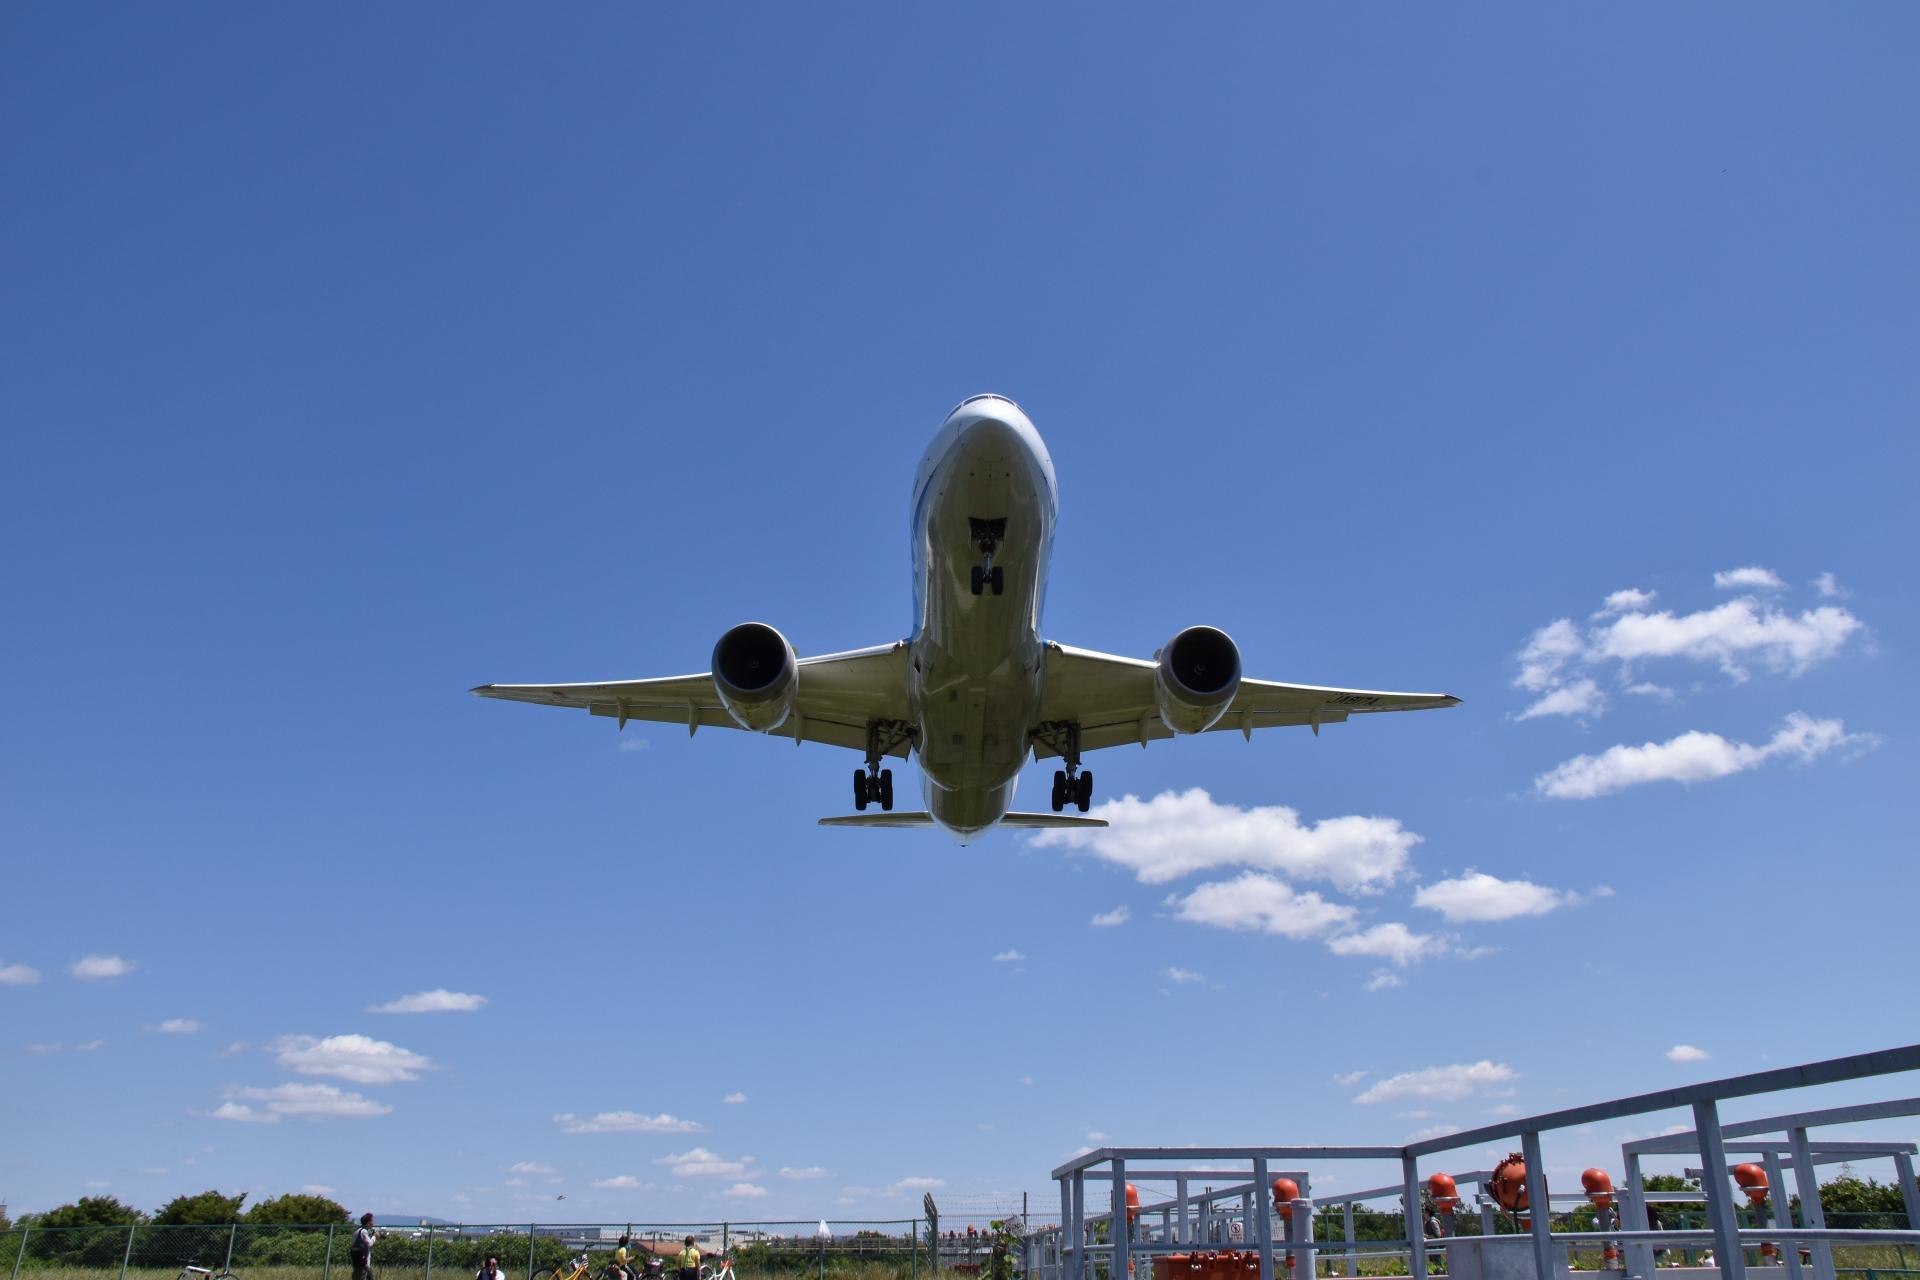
1064	1253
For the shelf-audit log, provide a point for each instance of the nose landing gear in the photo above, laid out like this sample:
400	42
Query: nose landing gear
1071	785
987	535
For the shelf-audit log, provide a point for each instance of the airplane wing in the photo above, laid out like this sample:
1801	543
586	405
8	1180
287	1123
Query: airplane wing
838	695
1112	700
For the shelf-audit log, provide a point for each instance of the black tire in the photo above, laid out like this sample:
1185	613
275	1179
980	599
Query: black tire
999	579
1083	790
979	579
860	789
886	790
1059	790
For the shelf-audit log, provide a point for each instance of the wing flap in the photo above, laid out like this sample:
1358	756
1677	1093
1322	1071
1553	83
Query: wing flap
920	818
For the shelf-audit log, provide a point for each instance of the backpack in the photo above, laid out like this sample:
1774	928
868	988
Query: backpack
360	1250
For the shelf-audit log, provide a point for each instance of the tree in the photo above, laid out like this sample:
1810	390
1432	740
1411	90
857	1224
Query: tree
207	1209
297	1210
91	1211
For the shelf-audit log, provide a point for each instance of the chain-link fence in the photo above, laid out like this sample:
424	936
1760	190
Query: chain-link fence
793	1250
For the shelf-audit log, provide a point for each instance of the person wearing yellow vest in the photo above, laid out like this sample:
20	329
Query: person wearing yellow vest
687	1261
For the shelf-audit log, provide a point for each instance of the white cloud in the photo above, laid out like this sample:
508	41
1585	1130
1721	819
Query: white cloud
1648	689
702	1163
1253	901
1752	576
635	744
1008	957
438	1000
919	1184
1381	979
1440	1084
1477	896
1546	654
306	1101
1687	1053
1348	1079
1435	1131
1389	941
1625	600
179	1026
1177	974
1694	756
1097	1136
1177	833
745	1191
619	1182
1829	587
56	1047
624	1122
532	1166
96	968
1581	698
18	975
1108	919
811	1173
318	1189
360	1059
734	1099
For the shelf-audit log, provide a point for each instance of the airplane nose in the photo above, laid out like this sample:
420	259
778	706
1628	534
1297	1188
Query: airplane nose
990	441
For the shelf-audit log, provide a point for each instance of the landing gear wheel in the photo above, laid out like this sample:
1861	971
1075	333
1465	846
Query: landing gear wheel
860	795
979	579
1059	790
1083	791
886	789
998	578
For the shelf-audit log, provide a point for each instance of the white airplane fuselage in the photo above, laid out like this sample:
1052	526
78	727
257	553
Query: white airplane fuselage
975	679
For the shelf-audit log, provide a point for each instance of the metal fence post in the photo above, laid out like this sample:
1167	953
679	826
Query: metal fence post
1806	1179
530	1227
326	1263
1353	1258
1538	1207
20	1257
1259	1233
1713	1181
429	1253
232	1231
1414	1220
1782	1212
128	1255
913	1251
1909	1193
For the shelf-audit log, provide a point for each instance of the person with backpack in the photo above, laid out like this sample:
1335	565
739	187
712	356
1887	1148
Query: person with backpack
360	1252
687	1262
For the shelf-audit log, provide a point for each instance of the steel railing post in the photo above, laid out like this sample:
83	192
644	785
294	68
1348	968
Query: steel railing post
1806	1180
1078	1226
1782	1211
232	1231
1414	1220
127	1256
1303	1237
1909	1193
530	1227
1259	1232
1353	1259
1713	1180
20	1257
1639	1252
429	1253
1538	1207
1186	1217
326	1262
1120	1226
1066	1226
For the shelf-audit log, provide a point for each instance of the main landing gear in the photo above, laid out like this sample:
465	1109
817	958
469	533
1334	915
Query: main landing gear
874	785
987	535
1071	785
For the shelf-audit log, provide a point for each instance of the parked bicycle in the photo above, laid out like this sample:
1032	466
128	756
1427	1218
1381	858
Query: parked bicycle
191	1272
575	1270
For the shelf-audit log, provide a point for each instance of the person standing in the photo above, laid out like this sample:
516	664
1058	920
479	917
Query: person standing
361	1250
687	1261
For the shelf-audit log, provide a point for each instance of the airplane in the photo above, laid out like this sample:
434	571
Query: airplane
975	689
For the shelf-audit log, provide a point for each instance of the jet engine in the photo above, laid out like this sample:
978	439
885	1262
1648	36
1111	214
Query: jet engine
1195	679
756	676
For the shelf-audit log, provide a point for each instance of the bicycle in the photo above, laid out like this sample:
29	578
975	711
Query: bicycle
575	1270
191	1272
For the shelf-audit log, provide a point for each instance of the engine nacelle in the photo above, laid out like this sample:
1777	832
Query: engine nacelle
756	676
1195	679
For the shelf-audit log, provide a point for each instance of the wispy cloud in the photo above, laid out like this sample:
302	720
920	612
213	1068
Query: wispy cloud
1479	897
1108	919
1687	1053
1178	833
619	1182
18	975
356	1058
301	1101
56	1047
1389	941
438	1000
100	968
1750	578
1829	587
1440	1084
532	1166
179	1026
1348	1079
810	1173
1381	979
1255	901
702	1163
1009	956
624	1122
1176	974
745	1191
919	1184
734	1099
1694	756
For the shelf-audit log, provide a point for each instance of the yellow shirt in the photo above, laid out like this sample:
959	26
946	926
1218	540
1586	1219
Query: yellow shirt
688	1259
620	1256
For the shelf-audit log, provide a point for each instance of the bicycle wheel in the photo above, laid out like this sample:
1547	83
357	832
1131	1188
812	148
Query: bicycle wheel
224	1275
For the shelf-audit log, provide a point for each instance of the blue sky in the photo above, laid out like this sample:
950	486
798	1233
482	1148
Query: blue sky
353	359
